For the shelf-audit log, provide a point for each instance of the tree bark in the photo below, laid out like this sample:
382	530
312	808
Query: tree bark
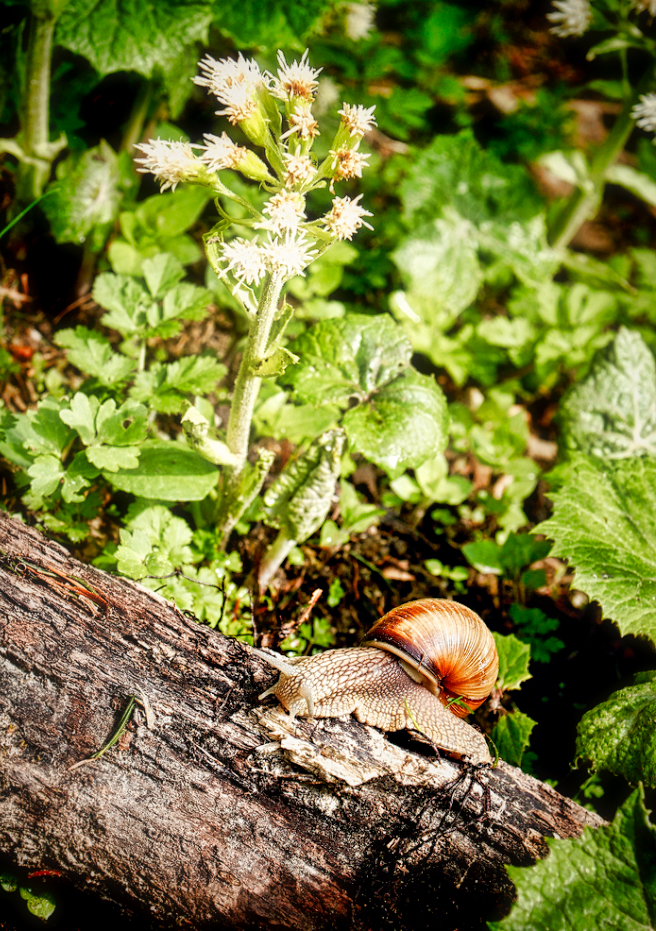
222	814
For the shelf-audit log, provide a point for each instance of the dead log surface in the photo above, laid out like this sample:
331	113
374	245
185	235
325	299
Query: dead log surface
221	815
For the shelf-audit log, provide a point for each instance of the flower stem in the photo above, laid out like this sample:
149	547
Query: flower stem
584	202
36	107
247	387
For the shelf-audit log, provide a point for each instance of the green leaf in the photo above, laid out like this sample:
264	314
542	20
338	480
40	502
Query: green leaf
299	500
484	556
440	266
456	172
271	23
103	425
92	353
162	272
619	734
135	36
44	431
404	424
169	472
8	882
126	300
84	201
604	879
173	213
165	385
79	475
603	523
400	419
514	657
348	358
111	459
155	543
46	474
533	626
41	903
511	736
518	550
612	412
186	301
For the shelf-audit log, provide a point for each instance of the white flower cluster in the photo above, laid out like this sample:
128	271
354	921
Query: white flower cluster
360	20
247	96
644	112
641	5
572	19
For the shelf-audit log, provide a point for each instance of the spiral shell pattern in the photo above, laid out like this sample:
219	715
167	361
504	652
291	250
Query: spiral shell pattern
447	644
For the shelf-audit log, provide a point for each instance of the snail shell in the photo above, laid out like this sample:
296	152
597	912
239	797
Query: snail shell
444	645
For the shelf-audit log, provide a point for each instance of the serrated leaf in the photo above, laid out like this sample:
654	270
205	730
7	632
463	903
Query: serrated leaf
79	475
123	426
44	431
165	385
46	473
603	524
619	734
511	736
162	272
403	425
82	416
92	353
612	412
347	358
400	419
84	201
126	301
534	626
301	497
169	472
514	658
111	458
133	552
604	879
136	36
186	301
156	543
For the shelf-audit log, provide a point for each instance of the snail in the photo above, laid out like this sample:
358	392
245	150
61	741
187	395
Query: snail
422	666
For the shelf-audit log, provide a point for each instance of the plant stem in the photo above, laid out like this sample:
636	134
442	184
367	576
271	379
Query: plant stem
133	129
245	394
274	558
36	108
584	202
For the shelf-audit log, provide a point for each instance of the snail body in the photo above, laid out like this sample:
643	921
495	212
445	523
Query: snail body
421	666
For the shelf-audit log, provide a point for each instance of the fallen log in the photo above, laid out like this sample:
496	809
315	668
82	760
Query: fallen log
212	811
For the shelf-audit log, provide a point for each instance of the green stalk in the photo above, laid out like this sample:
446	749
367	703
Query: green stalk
584	202
36	108
133	129
275	556
245	394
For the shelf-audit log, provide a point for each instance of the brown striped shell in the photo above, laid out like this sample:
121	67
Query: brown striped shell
447	644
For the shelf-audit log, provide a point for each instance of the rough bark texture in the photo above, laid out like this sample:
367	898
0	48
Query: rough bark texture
222	814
